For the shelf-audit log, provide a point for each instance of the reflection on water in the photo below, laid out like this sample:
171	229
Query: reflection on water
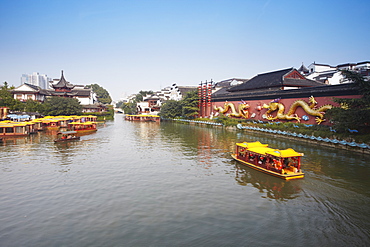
269	187
171	184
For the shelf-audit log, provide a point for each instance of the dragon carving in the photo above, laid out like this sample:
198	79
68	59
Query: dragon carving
309	109
242	109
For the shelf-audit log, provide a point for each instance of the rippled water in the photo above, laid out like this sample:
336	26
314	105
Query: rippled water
171	184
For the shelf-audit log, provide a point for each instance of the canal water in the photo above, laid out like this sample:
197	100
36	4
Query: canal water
172	184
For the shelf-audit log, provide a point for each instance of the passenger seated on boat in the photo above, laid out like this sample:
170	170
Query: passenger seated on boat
291	168
262	160
277	164
242	152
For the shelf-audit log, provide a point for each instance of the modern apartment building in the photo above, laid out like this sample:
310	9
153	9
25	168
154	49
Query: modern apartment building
36	79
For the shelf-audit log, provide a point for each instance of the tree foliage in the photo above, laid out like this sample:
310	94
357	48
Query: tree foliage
140	96
7	100
32	106
353	113
103	95
187	107
190	104
129	108
171	109
55	106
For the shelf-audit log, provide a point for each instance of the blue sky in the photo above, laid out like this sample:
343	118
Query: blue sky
128	46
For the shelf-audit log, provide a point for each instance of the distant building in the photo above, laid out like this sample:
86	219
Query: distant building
29	92
152	103
60	88
331	75
36	79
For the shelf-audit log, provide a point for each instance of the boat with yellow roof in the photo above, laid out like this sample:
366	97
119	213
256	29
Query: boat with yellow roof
143	118
83	127
15	129
285	164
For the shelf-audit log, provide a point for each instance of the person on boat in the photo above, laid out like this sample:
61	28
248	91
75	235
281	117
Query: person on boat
242	152
277	164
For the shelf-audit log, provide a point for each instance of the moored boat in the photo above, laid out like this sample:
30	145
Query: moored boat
65	136
83	127
11	129
284	164
143	118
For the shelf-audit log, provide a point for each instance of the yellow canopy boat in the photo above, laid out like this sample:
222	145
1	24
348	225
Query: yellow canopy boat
284	164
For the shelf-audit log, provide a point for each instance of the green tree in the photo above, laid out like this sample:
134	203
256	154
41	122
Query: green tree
354	113
32	106
6	98
55	106
119	104
129	108
140	96
101	93
187	107
171	109
189	104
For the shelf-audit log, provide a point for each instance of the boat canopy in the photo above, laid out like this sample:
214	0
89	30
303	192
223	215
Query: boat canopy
261	150
142	115
84	123
67	132
275	152
251	144
285	153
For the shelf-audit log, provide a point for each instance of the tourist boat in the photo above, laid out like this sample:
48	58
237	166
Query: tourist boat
143	118
55	122
65	136
50	124
284	164
37	124
83	127
13	129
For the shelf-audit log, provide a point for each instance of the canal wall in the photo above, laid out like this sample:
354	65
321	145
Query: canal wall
333	143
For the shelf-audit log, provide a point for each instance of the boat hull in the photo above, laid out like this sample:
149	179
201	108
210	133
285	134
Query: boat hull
290	176
67	140
85	131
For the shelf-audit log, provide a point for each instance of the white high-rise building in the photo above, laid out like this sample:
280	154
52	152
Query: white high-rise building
36	79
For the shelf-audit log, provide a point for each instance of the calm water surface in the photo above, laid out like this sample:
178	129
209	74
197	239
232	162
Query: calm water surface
170	184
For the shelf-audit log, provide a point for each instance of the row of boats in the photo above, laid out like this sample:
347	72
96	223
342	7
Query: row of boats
284	164
71	125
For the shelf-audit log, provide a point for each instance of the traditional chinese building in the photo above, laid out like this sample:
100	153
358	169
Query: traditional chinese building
61	88
283	95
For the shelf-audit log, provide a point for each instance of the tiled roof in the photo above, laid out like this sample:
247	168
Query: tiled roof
63	83
289	82
266	80
320	91
184	90
34	87
274	80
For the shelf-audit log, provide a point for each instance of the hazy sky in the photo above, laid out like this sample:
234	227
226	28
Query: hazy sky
128	46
